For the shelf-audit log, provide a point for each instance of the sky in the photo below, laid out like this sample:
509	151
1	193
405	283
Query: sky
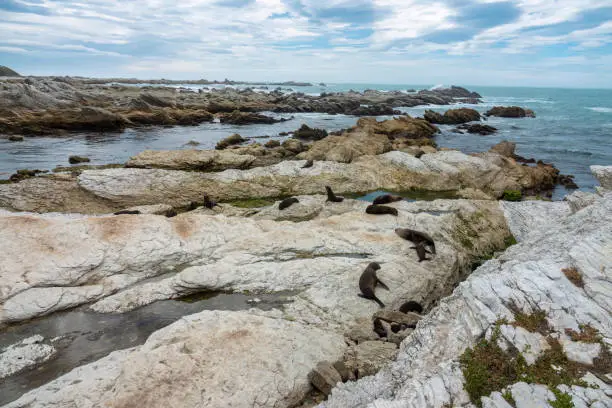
563	43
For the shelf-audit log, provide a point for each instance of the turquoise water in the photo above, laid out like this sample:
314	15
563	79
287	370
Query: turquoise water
573	130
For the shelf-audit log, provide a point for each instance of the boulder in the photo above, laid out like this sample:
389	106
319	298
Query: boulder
478	128
78	159
369	357
324	377
504	148
272	143
230	141
452	116
294	146
23	355
510	112
307	133
198	160
603	174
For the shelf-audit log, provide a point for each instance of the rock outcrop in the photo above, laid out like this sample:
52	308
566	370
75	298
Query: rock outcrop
199	160
510	112
452	116
528	278
7	72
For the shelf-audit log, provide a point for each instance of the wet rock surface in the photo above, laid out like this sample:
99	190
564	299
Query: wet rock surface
510	112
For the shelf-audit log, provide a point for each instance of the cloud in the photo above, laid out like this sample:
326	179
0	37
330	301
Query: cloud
461	41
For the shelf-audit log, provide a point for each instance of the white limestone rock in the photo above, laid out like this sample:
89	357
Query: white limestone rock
603	174
27	353
211	359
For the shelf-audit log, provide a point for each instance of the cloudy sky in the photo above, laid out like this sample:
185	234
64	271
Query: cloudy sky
469	42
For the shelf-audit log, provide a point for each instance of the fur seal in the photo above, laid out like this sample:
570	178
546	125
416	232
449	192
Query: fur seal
287	202
411	306
171	213
381	209
332	197
386	199
123	212
368	282
208	203
379	328
421	251
308	164
416	237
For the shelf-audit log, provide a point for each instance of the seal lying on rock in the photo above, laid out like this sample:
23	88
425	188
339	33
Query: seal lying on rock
332	197
287	202
368	282
123	212
386	199
308	164
421	251
411	306
381	209
416	237
208	203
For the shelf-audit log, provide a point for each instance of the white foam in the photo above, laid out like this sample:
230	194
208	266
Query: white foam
601	109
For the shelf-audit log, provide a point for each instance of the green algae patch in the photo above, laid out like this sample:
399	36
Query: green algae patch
562	399
252	203
512	195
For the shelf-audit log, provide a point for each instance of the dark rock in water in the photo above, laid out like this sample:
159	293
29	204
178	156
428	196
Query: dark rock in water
374	110
7	72
521	159
192	143
283	134
287	202
510	112
272	143
307	133
504	148
324	377
479	129
78	159
247	118
457	92
15	138
230	141
452	116
456	130
567	181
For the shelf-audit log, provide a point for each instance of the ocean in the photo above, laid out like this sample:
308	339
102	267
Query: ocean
572	130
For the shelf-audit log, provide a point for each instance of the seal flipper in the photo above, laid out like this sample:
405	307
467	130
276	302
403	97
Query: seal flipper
379	282
374	298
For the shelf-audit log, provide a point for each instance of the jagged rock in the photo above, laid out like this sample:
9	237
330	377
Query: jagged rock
200	160
78	159
195	362
294	146
504	148
452	116
579	200
530	345
427	374
307	133
478	128
230	141
272	143
510	112
369	357
324	377
152	100
581	352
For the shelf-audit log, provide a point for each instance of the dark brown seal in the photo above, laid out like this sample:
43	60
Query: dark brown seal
287	202
386	199
421	251
171	213
308	164
368	282
416	237
332	197
411	306
208	203
379	328
123	212
381	209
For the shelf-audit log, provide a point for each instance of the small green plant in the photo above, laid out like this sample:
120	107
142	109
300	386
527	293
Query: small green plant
563	399
509	398
509	241
512	195
535	322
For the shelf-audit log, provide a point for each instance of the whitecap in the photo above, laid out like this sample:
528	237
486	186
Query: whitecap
601	109
439	86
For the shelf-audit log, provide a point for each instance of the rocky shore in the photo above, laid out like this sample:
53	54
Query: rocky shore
481	320
53	106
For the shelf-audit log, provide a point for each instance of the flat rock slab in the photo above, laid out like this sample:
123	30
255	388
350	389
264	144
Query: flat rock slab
210	359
